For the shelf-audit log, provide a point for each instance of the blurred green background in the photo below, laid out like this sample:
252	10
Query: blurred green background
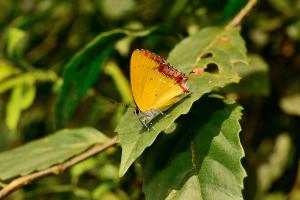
38	38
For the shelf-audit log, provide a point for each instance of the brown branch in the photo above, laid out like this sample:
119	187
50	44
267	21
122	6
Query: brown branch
57	169
239	17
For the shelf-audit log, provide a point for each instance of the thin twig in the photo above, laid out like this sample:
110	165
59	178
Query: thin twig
239	17
57	169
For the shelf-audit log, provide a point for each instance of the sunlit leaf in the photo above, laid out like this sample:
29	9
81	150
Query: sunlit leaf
27	78
81	168
122	84
275	163
203	162
293	30
21	98
101	190
7	69
210	47
290	104
16	41
51	150
115	10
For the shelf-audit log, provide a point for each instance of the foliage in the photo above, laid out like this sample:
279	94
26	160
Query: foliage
134	138
209	149
64	86
45	152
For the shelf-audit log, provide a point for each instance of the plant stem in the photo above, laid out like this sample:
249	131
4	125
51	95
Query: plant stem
57	169
239	17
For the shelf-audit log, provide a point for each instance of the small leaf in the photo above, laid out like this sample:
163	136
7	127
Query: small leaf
81	168
51	150
113	70
27	78
100	191
116	10
202	162
275	164
7	69
293	30
221	48
21	98
290	104
16	41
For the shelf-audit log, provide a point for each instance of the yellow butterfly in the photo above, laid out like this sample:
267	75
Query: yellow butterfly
155	84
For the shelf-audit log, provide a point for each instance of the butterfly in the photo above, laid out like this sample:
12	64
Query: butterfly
155	84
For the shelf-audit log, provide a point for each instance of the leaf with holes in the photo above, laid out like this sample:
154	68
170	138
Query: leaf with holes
48	151
213	50
202	163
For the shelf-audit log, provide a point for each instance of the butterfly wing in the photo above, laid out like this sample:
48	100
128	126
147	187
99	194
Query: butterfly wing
151	89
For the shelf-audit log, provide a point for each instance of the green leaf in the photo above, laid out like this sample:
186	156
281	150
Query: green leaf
285	7
116	10
293	30
16	41
83	69
275	162
211	46
103	189
231	8
27	78
114	71
21	98
81	73
7	69
81	168
201	162
255	78
51	150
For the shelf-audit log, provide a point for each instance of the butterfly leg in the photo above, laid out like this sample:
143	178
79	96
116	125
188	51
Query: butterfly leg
147	126
162	113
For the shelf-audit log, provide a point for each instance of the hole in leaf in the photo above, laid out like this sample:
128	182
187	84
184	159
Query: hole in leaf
207	55
212	68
